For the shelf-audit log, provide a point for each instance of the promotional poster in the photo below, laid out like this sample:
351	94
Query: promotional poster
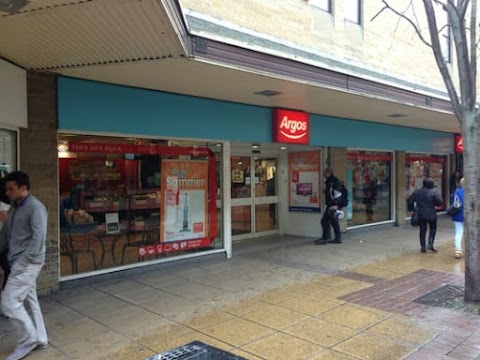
304	181
184	212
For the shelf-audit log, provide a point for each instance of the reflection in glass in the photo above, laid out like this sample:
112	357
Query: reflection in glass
241	177
371	188
265	217
8	151
419	166
122	202
265	177
241	220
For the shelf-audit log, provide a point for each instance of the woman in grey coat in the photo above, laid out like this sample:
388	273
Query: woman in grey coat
426	199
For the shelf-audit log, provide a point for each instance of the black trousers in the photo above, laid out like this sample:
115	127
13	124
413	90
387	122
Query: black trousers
432	224
329	221
5	266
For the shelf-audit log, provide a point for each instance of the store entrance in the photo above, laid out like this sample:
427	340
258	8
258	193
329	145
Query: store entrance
254	196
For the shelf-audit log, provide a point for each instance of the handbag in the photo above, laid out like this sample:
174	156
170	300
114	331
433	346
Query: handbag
414	218
455	206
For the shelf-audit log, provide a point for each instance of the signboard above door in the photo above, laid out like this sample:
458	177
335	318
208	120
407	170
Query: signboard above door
291	127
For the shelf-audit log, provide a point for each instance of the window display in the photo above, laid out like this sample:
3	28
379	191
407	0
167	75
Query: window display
419	166
125	201
369	179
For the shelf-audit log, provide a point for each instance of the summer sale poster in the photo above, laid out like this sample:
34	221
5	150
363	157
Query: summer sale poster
184	207
304	181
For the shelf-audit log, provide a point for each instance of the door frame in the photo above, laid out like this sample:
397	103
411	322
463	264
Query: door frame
253	200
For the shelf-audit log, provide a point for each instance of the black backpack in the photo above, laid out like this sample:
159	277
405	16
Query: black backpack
344	197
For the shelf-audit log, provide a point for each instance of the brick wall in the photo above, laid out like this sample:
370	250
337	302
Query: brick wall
38	158
385	44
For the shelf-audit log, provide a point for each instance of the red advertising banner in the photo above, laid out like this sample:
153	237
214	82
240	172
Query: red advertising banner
304	181
427	158
292	127
372	157
146	149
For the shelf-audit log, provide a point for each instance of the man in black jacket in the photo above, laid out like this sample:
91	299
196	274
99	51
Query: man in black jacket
333	202
426	199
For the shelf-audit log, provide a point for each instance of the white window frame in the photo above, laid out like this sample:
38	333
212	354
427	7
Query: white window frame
325	5
354	14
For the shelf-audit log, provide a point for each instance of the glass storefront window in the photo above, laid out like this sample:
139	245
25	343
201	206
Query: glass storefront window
265	217
125	201
419	166
369	182
8	151
241	177
265	171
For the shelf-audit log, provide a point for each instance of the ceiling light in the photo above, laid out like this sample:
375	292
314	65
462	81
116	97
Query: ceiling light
397	115
255	146
268	93
12	6
283	148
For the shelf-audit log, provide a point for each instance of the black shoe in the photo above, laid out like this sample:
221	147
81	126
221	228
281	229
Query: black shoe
321	241
423	250
431	248
335	241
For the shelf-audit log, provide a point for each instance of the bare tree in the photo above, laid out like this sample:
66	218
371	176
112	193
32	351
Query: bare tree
462	24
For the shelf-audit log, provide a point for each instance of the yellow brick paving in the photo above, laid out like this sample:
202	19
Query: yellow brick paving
295	320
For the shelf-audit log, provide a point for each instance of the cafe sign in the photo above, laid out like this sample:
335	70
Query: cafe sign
291	127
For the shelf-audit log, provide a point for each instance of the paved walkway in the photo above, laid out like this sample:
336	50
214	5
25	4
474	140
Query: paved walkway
278	298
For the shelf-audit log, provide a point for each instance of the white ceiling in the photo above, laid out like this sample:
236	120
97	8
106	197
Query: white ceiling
139	43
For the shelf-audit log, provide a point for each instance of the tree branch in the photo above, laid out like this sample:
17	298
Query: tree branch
405	17
441	63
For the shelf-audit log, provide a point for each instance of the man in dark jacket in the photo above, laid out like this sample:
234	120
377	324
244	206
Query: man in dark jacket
426	200
333	202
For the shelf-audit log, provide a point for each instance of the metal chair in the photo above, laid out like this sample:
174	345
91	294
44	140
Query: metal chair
76	240
148	237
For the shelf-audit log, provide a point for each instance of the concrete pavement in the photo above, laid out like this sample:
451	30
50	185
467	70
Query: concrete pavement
277	298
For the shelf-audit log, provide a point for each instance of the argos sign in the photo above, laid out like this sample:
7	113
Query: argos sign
291	127
458	144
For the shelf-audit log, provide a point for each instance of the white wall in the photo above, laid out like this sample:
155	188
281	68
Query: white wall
292	222
13	96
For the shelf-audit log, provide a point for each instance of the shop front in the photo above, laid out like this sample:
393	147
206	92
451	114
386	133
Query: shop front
147	177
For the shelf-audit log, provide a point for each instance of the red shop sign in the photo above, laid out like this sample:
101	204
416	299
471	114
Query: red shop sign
458	144
292	127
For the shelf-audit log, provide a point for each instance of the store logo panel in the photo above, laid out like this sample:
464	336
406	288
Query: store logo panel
292	127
